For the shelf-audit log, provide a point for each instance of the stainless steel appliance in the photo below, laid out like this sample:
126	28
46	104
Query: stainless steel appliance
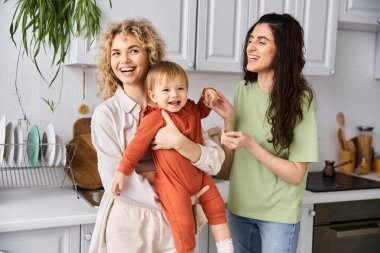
345	227
318	182
92	197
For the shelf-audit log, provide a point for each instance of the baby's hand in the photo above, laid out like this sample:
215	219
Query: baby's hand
118	184
210	97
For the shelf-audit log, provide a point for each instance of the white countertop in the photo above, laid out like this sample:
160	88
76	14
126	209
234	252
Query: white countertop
35	208
335	196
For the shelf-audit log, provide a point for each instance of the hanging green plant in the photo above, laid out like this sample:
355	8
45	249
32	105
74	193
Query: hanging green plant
52	24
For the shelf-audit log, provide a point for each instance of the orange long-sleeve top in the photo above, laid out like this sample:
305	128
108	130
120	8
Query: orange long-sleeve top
187	120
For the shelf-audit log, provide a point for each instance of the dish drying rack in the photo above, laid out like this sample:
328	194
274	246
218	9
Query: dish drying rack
25	173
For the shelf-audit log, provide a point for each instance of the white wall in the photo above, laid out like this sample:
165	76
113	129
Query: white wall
352	90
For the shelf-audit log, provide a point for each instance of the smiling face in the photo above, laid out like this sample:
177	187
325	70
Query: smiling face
129	60
261	49
170	95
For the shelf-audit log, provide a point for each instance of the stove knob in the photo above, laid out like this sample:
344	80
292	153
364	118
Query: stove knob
312	213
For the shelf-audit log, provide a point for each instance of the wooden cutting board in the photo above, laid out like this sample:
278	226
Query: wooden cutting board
85	163
81	126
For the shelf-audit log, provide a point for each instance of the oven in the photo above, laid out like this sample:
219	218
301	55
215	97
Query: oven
345	227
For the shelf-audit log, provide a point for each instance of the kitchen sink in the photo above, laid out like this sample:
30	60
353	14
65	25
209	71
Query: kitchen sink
92	197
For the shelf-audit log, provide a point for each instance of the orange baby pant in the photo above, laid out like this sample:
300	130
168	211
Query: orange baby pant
176	200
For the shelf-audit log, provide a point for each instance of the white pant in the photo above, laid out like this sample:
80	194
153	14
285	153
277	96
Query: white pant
134	229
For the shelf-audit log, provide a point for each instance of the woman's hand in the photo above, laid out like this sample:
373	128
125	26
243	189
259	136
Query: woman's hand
234	140
225	110
167	137
170	137
223	107
195	198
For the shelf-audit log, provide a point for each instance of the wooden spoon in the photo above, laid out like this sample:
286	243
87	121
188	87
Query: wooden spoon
340	139
341	122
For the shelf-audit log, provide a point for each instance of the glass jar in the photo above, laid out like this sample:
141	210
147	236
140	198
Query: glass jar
376	164
365	149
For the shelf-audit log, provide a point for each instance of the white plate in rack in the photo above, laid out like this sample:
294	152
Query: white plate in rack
48	145
18	140
2	137
33	145
63	152
58	150
9	144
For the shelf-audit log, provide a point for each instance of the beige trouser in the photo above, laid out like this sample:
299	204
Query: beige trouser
135	229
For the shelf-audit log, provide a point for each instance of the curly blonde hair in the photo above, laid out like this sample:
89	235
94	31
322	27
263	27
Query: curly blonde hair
145	34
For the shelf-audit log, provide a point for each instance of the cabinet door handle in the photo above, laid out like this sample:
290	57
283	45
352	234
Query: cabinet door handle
312	213
356	232
87	236
190	64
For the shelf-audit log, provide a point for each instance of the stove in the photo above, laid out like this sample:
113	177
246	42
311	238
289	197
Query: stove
317	182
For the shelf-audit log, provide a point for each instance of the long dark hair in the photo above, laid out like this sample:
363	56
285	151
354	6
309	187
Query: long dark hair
290	88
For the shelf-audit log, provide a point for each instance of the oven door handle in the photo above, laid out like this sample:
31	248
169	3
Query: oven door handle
355	231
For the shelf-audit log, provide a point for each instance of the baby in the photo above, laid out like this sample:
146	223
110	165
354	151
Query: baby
177	179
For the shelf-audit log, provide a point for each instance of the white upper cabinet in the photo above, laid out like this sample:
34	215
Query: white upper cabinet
319	20
377	56
362	15
359	14
175	21
223	24
200	35
221	30
208	35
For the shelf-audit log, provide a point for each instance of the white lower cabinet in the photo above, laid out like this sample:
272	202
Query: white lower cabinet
72	239
205	241
51	240
211	242
305	240
202	241
85	237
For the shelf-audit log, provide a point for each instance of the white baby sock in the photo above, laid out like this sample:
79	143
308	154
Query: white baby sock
224	246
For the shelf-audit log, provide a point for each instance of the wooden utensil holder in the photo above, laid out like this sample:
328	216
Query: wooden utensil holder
345	156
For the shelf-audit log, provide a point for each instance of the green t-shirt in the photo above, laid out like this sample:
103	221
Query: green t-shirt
255	192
